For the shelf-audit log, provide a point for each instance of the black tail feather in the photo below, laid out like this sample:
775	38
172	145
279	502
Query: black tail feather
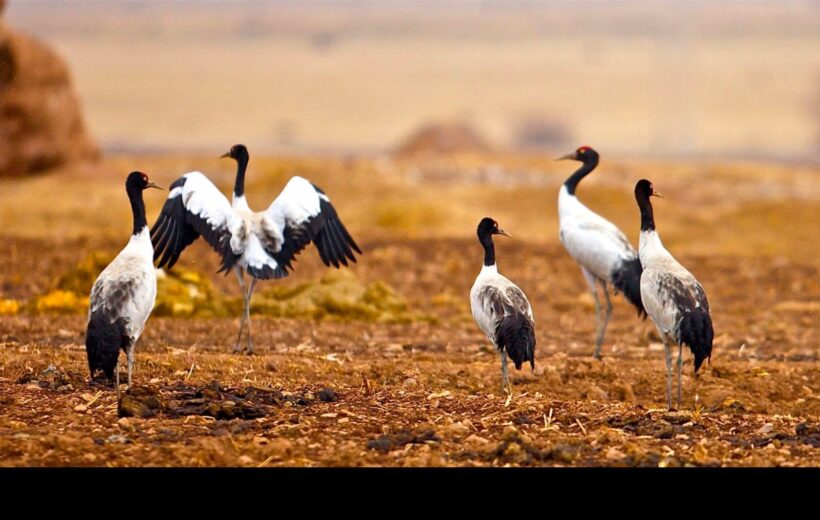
627	279
695	331
516	335
103	342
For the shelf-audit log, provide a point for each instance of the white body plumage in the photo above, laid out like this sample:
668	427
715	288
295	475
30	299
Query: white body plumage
265	243
605	256
672	296
127	287
667	288
493	292
596	244
500	309
123	295
252	235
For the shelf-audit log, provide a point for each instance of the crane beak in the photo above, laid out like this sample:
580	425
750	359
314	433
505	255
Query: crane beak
657	194
502	232
569	156
226	154
153	185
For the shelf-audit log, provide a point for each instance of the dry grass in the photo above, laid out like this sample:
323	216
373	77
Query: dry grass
710	208
419	392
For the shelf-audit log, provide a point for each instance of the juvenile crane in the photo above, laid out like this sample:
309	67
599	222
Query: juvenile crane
673	297
598	246
501	309
123	295
264	244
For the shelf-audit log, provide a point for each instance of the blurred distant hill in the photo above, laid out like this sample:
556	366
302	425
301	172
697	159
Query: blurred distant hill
41	122
726	79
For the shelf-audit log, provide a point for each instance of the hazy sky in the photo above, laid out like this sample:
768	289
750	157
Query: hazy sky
646	78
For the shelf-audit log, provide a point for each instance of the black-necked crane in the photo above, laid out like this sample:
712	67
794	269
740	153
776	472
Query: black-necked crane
123	294
264	243
501	309
598	246
672	296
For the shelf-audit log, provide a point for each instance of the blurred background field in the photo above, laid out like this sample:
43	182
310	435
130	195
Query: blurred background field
418	119
729	80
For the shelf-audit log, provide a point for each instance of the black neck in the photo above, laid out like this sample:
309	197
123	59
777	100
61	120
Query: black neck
241	166
489	249
590	162
137	208
647	217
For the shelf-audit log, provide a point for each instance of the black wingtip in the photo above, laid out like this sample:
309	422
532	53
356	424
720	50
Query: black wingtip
695	331
103	342
627	279
516	335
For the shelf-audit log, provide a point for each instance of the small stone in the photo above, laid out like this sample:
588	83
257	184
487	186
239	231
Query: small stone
614	454
382	444
244	460
118	439
327	395
81	408
475	439
280	445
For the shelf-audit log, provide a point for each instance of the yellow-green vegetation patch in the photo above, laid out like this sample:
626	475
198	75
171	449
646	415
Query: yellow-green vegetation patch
61	302
183	293
338	295
180	293
80	279
9	307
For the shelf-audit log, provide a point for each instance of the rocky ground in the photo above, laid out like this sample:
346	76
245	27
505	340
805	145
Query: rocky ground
339	392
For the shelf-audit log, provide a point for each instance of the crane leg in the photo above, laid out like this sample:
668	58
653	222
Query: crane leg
668	370
506	386
241	277
680	372
599	339
117	378
248	315
130	360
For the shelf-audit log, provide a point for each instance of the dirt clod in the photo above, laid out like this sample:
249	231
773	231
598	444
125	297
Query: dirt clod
327	395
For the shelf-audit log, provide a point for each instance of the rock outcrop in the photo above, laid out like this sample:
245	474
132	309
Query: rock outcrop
41	124
442	139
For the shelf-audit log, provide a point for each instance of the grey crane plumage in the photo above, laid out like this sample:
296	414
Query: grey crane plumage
601	250
123	295
264	244
501	309
672	296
